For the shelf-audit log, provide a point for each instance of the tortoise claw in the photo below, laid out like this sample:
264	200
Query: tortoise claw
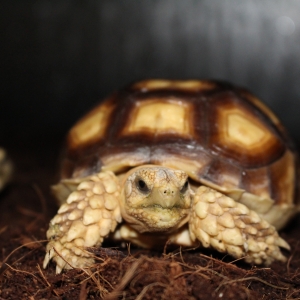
282	243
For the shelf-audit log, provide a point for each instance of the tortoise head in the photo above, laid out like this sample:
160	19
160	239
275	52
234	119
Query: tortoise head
156	199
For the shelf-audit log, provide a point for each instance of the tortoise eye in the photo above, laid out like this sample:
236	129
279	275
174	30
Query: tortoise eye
185	187
142	186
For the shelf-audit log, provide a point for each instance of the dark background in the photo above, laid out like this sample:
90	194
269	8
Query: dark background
59	58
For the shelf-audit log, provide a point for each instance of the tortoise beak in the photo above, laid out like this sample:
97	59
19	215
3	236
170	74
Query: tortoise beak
166	197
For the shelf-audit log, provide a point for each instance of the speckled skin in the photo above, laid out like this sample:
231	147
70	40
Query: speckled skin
127	162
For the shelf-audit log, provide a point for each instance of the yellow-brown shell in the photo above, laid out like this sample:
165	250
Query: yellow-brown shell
219	134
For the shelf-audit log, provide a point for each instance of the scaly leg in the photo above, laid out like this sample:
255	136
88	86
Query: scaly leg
88	216
230	227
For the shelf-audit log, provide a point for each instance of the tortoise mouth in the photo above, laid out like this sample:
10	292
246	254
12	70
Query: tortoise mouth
156	218
160	207
164	214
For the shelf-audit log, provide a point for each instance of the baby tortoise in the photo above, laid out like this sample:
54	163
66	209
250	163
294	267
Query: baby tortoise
191	161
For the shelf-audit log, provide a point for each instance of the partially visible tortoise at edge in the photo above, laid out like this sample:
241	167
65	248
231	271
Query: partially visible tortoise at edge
5	168
188	162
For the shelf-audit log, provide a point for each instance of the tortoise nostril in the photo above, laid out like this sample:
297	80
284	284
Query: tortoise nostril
169	192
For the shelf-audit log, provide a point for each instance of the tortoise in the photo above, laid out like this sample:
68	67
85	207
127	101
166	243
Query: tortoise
5	168
189	162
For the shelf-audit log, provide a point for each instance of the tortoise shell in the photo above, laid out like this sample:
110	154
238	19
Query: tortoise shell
221	135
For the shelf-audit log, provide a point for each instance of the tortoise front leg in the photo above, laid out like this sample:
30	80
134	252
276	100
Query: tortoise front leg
230	227
88	216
